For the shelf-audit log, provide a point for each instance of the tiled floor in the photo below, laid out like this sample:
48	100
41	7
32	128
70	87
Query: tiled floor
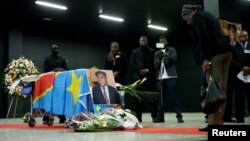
33	134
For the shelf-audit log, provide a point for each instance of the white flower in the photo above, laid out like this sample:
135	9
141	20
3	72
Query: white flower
16	69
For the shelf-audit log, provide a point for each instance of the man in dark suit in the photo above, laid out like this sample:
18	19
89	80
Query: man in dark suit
104	93
233	71
142	63
54	62
242	63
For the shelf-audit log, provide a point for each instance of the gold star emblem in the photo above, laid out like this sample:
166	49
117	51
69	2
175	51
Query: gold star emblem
74	88
98	108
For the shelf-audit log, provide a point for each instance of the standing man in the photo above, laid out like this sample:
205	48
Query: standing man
54	62
164	63
104	93
233	71
142	63
210	47
117	62
242	89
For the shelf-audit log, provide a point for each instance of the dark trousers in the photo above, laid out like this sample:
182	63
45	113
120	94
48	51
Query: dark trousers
231	84
242	90
167	86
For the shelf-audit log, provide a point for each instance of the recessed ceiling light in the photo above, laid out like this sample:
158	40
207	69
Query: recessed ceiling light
117	19
52	5
47	19
157	27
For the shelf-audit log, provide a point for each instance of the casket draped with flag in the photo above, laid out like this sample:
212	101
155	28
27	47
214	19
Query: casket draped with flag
63	93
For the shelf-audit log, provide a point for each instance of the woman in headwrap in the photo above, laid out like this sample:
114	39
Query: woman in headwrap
210	47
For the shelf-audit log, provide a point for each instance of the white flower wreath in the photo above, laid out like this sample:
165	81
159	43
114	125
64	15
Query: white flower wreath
16	70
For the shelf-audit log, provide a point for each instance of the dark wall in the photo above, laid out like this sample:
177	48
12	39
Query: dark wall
230	10
3	63
77	53
1	72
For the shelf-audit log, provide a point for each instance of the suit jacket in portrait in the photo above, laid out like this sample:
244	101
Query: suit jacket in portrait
98	97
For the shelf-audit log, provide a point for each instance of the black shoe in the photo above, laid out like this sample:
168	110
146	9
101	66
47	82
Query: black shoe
229	120
61	121
205	129
180	120
62	118
158	120
45	119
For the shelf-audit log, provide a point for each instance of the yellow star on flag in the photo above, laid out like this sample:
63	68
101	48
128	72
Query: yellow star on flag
74	88
98	108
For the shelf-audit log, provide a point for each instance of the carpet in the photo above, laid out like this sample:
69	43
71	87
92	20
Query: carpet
38	126
147	129
172	130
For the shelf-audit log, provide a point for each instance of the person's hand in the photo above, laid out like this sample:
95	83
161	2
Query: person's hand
116	74
162	55
246	70
206	65
143	72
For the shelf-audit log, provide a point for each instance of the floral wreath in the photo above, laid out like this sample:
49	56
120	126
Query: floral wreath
16	70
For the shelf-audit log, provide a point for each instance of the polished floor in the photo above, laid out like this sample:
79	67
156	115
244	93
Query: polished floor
33	134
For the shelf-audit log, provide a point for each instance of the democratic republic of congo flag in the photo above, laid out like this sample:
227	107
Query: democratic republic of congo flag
59	91
43	91
78	97
63	93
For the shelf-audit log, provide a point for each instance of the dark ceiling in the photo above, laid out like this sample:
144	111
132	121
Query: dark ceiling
81	19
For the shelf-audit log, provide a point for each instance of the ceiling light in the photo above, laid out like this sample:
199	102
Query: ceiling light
111	18
52	5
157	27
47	19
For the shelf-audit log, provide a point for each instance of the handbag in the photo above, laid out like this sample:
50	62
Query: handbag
212	96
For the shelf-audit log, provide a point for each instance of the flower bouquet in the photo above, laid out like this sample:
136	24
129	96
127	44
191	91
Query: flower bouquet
108	120
131	89
16	71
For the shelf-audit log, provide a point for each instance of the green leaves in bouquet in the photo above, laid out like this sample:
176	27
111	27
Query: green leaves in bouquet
140	95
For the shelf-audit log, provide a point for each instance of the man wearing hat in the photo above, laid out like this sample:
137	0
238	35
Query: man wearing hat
104	93
210	47
54	62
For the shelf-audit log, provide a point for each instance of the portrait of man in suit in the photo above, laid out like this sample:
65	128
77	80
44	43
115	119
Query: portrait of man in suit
104	93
